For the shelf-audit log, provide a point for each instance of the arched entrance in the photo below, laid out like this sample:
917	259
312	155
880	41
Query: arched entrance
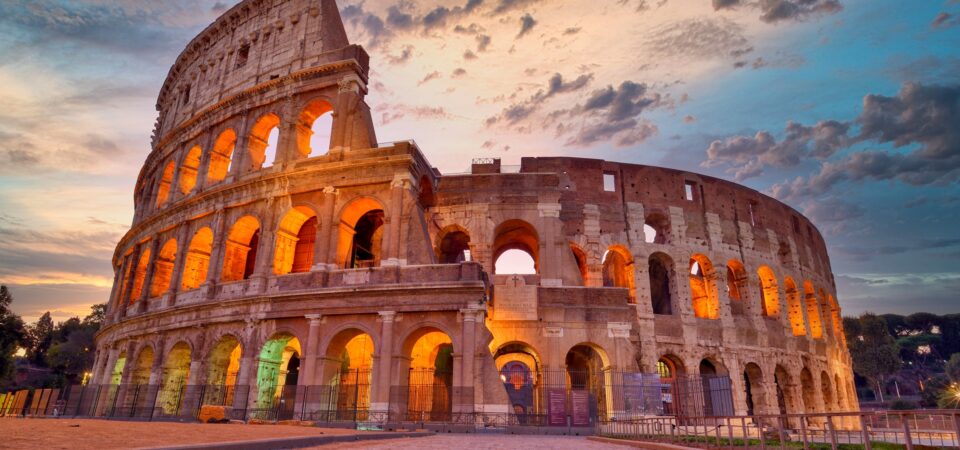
360	240
586	375
347	375
671	371
176	374
223	366
430	375
753	387
520	371
277	374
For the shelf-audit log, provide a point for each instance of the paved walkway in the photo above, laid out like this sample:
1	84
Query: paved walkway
480	442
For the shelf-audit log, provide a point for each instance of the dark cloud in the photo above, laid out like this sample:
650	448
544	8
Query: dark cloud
748	155
436	18
483	42
469	55
429	77
505	6
527	22
700	38
613	114
571	31
405	54
399	19
556	85
458	72
772	11
724	4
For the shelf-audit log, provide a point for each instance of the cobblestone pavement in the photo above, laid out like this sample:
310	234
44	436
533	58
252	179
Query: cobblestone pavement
479	442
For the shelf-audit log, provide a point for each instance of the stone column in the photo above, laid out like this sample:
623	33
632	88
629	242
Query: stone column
174	193
469	317
380	394
287	141
323	257
183	247
264	262
128	289
117	302
240	159
549	258
391	254
311	351
215	267
125	375
206	153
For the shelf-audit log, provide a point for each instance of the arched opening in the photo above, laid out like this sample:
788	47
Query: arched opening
139	275
295	241
426	197
240	252
837	321
736	287
522	238
826	391
348	372
361	234
189	169
753	386
453	246
618	270
278	371
223	366
841	399
671	369
769	292
715	385
166	180
824	309
520	372
813	310
141	371
786	403
655	228
703	288
315	128
586	370
176	374
580	257
163	268
221	156
198	260
262	142
808	391
117	373
794	309
660	271
430	375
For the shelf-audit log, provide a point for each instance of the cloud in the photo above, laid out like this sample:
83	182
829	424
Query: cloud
458	72
527	22
483	42
429	77
393	112
405	54
772	11
399	19
505	6
556	85
469	55
612	114
571	31
699	38
724	4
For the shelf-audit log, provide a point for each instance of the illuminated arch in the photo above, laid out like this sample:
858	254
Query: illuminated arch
163	268
429	373
703	288
315	128
223	367
580	257
176	376
794	308
837	320
361	231
813	310
260	144
660	271
189	169
516	234
139	275
618	270
278	366
295	242
143	367
240	249
769	292
198	260
166	180
736	286
221	156
453	245
349	369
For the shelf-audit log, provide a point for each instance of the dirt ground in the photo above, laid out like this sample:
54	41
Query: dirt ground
111	434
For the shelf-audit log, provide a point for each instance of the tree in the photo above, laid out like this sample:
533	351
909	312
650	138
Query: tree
12	334
952	368
97	314
874	351
41	338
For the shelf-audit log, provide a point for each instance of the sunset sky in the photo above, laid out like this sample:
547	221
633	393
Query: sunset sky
848	110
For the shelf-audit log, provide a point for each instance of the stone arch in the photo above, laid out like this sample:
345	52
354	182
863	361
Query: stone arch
349	367
838	386
672	370
259	147
656	227
813	310
754	389
586	367
769	292
794	308
784	384
166	181
197	264
520	369
189	169
143	367
827	391
703	287
116	373
360	240
240	249
428	372
176	374
163	268
314	126
140	275
837	320
453	245
661	273
425	192
278	366
618	270
223	367
736	287
295	241
221	156
580	257
808	391
517	234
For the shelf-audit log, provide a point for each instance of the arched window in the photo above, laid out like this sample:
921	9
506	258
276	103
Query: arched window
295	241
221	156
655	228
794	309
813	310
163	268
618	270
314	128
769	292
361	234
454	246
189	169
262	144
581	259
703	288
240	252
515	247
660	269
736	286
837	322
139	275
166	179
198	260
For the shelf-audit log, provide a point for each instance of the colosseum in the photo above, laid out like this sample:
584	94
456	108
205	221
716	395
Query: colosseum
281	263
